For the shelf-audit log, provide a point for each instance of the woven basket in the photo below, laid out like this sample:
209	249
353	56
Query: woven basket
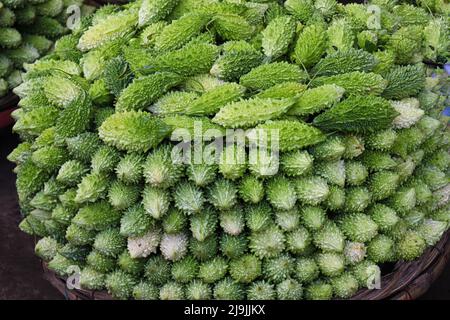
406	281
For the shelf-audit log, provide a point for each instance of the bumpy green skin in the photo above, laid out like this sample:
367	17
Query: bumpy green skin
268	75
410	246
181	31
277	36
245	269
247	113
47	248
228	289
347	116
108	29
310	46
120	284
97	216
142	92
343	62
211	102
358	227
192	59
404	81
330	238
146	132
152	11
291	134
317	99
311	190
237	59
356	82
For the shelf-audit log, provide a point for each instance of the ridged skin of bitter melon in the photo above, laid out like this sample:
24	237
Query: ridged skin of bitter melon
310	46
358	114
111	28
181	31
317	99
345	61
142	92
268	75
356	82
210	102
277	36
133	131
292	134
246	113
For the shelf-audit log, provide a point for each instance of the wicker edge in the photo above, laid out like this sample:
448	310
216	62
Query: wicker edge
408	280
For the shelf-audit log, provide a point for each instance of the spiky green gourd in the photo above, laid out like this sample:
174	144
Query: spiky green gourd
192	59
144	91
345	285
133	131
232	222
213	270
310	46
246	113
289	134
268	75
355	83
211	102
347	116
251	189
232	27
261	290
258	217
92	187
228	289
152	11
381	249
233	246
277	36
145	291
237	59
281	193
245	269
97	216
330	238
288	219
317	99
278	269
343	62
110	242
410	246
267	243
311	190
298	241
181	31
203	225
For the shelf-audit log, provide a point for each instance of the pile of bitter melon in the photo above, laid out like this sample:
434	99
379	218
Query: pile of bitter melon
138	162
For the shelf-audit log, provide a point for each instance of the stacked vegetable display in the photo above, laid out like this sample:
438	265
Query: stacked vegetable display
362	173
27	31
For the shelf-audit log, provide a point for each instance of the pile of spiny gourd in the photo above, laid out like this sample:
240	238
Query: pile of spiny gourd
357	177
27	31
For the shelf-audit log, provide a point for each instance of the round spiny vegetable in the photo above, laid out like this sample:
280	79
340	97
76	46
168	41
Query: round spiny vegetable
267	243
228	289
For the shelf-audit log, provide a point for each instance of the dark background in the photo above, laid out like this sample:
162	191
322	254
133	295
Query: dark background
20	269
